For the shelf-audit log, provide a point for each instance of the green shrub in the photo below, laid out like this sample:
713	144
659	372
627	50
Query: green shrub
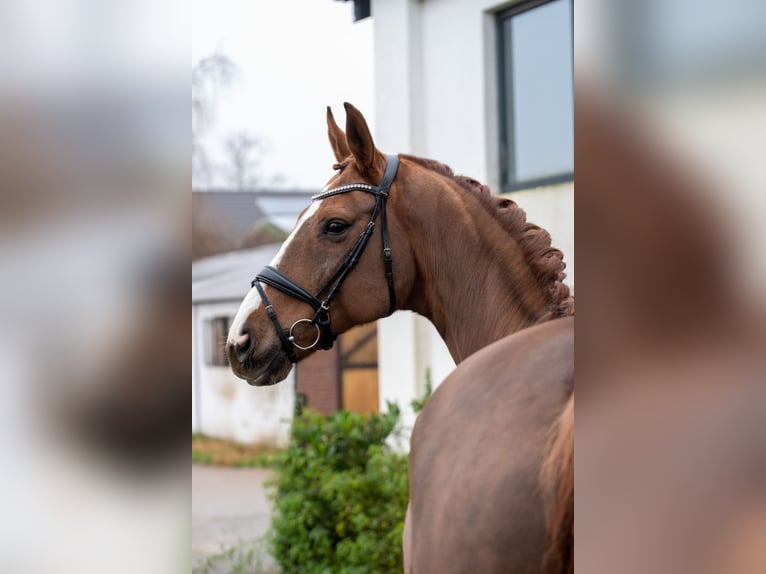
340	496
418	404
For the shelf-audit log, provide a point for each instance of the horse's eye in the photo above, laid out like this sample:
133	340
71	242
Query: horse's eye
335	227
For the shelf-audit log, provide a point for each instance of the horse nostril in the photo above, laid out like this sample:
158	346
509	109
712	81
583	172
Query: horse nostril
242	345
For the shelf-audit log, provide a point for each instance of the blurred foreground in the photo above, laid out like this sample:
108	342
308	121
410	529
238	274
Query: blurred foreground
94	256
670	456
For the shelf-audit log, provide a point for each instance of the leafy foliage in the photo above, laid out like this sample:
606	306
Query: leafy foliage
418	404
340	496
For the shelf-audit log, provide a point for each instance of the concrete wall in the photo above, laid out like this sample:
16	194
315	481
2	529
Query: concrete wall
224	406
436	96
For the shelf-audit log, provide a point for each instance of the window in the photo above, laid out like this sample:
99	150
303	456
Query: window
217	331
536	94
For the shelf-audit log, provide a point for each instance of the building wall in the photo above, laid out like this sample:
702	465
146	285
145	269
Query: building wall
318	379
436	96
196	379
224	406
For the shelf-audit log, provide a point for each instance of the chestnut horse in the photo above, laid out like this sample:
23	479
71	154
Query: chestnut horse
491	461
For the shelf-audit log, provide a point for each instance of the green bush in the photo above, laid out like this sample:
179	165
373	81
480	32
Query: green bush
418	404
340	496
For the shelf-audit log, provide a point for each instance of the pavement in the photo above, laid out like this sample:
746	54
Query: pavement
229	506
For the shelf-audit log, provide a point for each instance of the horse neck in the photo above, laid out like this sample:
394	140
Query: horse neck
473	283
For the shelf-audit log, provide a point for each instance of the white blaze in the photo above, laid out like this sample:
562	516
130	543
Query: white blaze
252	300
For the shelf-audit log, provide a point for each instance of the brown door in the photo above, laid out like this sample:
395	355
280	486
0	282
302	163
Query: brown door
359	369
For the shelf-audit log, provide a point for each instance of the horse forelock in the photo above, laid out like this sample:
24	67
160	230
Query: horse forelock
545	261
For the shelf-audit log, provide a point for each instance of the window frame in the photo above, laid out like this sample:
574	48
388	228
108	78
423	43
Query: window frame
215	355
506	157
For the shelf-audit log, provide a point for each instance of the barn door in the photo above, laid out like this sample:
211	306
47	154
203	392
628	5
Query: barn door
359	369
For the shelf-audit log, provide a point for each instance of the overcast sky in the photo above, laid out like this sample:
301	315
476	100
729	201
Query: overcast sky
295	58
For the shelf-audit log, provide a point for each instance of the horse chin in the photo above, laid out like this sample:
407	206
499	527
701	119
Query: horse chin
275	370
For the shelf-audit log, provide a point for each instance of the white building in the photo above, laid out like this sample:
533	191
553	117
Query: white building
487	88
224	406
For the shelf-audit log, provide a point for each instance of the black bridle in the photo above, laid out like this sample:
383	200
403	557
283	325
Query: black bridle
321	319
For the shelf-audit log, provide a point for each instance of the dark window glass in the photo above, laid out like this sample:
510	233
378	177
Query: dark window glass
217	331
536	84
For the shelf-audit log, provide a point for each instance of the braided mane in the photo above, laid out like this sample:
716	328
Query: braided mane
545	261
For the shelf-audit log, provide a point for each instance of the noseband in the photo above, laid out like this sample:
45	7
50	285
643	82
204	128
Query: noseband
321	319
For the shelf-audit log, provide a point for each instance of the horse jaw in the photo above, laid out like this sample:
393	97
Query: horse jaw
269	379
269	371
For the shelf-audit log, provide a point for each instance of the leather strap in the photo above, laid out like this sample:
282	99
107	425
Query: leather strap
287	346
392	166
271	276
388	262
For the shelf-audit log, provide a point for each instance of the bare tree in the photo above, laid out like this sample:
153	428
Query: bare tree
243	151
208	75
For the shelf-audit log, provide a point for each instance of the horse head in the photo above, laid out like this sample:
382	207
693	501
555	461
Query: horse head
343	264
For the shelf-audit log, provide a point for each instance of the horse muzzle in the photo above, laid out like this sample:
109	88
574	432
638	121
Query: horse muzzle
263	369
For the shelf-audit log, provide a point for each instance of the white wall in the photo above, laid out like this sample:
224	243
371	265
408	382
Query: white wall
552	208
195	376
224	406
435	85
436	96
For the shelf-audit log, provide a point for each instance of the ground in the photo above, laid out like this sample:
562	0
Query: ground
218	452
229	505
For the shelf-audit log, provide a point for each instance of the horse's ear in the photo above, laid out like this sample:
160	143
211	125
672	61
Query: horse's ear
359	138
337	138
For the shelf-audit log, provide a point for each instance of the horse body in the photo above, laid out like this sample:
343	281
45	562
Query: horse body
477	449
491	283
